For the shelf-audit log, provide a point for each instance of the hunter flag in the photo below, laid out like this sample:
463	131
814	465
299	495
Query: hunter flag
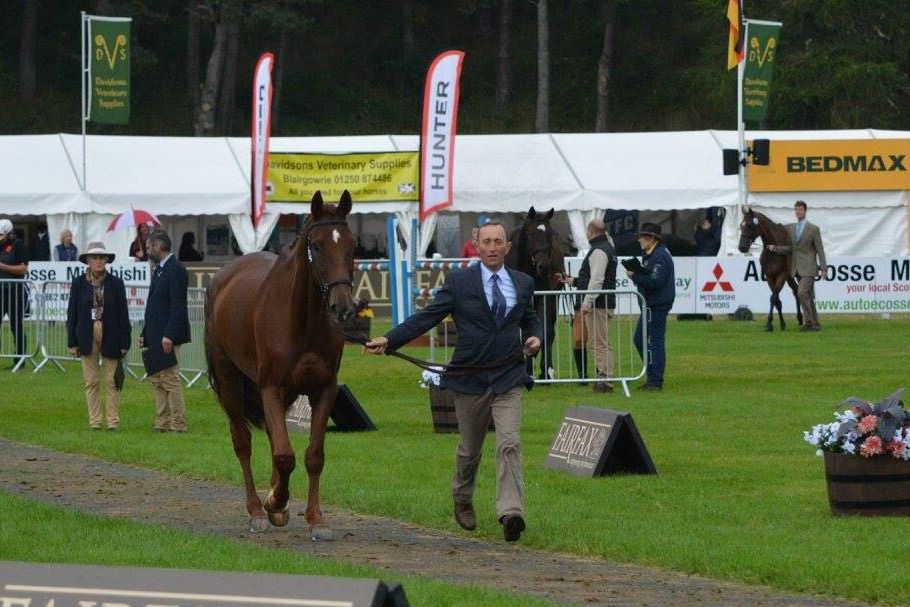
437	135
262	124
736	36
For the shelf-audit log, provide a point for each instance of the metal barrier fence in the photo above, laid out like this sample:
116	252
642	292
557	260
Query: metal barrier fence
559	347
18	331
51	303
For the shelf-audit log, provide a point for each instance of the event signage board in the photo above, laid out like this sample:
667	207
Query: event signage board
368	176
833	165
109	69
87	585
595	442
763	39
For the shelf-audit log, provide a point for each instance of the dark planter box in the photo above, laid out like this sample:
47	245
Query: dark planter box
874	486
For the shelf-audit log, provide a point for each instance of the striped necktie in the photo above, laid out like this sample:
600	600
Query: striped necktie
499	300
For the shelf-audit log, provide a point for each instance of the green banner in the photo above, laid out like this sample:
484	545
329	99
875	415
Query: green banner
762	44
109	70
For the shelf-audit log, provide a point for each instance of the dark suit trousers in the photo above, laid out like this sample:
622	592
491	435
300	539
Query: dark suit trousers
473	412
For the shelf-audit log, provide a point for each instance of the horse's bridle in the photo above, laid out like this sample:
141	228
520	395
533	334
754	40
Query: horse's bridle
324	287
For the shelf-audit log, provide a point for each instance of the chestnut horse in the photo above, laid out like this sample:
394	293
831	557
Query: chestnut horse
775	268
272	333
537	252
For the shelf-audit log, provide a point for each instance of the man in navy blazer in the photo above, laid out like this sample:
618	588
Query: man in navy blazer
493	309
166	326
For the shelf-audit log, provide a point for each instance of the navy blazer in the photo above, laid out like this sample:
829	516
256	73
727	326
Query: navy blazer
165	308
115	323
478	340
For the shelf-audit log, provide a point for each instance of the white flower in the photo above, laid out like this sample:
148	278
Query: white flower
429	377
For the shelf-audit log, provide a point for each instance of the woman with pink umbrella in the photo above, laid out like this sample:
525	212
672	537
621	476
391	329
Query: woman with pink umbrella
142	220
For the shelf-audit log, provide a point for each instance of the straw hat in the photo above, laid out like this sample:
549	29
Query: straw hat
96	248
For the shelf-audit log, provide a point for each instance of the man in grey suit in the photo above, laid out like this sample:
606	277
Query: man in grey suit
807	262
493	309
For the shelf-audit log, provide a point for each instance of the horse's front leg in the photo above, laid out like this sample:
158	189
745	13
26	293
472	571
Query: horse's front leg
314	460
769	325
240	436
283	459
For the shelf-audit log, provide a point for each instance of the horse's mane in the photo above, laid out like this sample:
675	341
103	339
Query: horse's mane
777	230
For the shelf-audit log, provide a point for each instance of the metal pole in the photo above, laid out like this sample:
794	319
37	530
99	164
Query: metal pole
84	75
740	125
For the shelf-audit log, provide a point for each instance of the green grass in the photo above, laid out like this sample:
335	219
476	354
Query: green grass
83	539
739	496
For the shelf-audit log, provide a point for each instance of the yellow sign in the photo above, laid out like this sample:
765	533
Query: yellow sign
369	177
834	165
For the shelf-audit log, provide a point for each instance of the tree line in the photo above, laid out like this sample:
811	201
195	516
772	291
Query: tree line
347	67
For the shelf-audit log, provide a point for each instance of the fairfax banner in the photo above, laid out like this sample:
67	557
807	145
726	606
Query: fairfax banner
262	126
834	165
368	176
108	68
437	135
762	54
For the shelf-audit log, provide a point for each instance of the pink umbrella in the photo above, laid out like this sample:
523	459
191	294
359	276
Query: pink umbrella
132	218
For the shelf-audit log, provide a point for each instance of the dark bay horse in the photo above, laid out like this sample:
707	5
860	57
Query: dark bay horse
271	333
537	252
775	268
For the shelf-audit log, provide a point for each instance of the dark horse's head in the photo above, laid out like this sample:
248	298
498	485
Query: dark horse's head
748	230
534	244
330	252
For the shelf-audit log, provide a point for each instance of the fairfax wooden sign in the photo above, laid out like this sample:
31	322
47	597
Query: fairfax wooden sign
39	585
596	442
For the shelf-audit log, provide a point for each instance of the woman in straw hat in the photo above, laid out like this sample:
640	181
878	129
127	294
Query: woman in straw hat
98	325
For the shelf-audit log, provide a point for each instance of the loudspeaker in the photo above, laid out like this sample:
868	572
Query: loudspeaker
731	161
348	415
761	152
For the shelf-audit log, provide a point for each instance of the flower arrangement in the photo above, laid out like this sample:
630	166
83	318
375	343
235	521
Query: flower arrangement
362	309
429	378
866	429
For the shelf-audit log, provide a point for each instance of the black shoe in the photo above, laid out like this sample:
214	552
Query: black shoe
652	387
465	516
512	526
603	387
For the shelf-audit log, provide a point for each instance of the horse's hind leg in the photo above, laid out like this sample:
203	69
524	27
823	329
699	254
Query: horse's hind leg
769	325
799	309
780	311
315	460
283	458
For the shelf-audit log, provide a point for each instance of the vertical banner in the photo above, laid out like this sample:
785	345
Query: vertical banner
763	37
108	69
437	135
262	125
735	33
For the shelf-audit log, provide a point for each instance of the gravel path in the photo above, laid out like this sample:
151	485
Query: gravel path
107	489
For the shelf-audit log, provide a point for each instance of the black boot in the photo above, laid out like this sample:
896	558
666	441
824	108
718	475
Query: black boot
580	365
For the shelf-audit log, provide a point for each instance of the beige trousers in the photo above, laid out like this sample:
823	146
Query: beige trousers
170	410
805	292
91	373
473	412
597	325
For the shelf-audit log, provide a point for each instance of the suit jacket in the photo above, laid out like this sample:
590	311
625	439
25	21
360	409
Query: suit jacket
165	308
804	252
115	323
479	340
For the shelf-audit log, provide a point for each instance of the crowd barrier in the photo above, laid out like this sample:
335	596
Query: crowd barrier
46	335
18	335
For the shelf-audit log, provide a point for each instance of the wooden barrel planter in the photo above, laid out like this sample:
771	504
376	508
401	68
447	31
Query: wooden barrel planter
442	409
876	486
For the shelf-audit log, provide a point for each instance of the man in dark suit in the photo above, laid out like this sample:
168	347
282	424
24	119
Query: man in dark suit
494	316
166	326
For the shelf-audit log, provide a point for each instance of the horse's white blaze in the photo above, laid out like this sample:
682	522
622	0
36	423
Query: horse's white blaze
336	236
542	228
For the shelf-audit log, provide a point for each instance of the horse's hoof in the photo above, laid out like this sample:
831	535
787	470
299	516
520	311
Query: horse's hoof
769	329
258	523
321	533
280	518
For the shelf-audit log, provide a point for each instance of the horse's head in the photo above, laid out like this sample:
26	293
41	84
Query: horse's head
538	241
330	251
748	230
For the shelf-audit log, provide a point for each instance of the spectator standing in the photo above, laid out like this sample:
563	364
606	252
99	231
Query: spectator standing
656	281
493	310
41	245
187	251
66	250
98	330
138	249
593	312
13	266
469	248
807	262
707	239
166	327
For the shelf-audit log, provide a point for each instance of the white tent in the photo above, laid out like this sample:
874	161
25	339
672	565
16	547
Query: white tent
583	174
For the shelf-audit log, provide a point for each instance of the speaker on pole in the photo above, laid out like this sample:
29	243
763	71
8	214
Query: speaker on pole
731	161
761	152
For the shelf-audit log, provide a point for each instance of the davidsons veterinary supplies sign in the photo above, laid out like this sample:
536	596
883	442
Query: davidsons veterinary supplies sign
834	165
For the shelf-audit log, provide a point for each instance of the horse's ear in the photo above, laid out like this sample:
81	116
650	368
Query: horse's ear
532	213
344	206
550	214
746	208
316	204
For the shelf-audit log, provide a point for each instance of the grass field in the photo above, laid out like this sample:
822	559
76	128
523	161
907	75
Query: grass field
739	495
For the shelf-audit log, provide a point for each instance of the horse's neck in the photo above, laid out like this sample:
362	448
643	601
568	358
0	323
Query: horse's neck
304	293
770	232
